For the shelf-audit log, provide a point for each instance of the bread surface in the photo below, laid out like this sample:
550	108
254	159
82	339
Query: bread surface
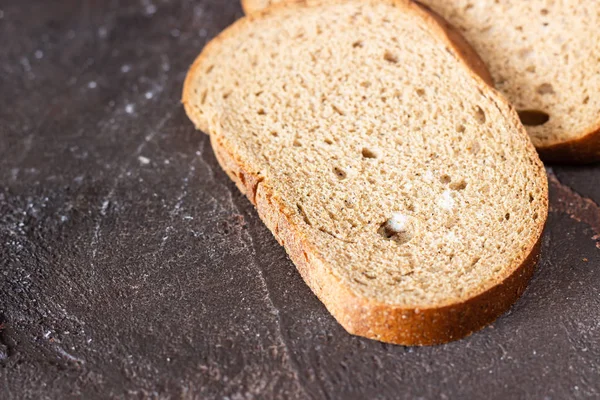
544	56
402	186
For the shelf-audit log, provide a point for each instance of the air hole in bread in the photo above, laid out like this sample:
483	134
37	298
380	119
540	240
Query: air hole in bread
526	53
531	69
460	185
328	141
203	97
531	198
209	69
535	216
365	84
460	128
545	88
340	173
586	100
369	275
274	134
533	117
544	11
357	44
420	92
390	57
507	216
297	143
480	115
368	153
445	179
261	111
226	95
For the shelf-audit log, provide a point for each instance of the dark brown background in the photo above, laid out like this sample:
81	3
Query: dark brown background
131	267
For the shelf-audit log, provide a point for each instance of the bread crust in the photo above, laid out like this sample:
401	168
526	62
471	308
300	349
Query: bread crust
359	315
582	150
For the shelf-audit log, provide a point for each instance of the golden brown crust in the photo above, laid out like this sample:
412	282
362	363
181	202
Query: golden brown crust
583	150
359	315
251	6
367	317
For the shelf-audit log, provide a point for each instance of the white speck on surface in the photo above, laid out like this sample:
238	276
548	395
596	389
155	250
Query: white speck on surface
167	162
451	236
47	334
25	63
150	9
446	201
198	153
104	207
397	223
63	218
102	32
92	85
149	95
129	108
39	54
428	176
144	160
175	32
125	68
188	217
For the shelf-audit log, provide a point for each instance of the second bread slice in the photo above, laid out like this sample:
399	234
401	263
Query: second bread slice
404	189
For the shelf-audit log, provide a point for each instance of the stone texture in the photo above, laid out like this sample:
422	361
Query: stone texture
131	267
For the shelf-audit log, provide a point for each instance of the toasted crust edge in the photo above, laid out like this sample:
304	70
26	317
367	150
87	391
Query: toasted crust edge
359	315
366	317
582	150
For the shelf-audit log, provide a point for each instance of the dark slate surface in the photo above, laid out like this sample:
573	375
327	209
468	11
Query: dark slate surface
130	266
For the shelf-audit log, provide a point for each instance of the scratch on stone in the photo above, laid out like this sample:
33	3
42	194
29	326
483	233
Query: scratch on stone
68	356
178	203
7	387
28	142
247	237
250	242
111	192
581	209
200	154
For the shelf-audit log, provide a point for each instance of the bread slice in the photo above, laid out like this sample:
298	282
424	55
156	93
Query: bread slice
402	186
544	56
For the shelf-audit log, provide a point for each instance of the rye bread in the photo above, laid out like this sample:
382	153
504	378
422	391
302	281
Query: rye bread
543	56
402	186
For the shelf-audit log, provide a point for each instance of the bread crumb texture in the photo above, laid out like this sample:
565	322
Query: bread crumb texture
544	55
407	176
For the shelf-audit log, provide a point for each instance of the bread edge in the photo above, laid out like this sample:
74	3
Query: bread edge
358	315
581	150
